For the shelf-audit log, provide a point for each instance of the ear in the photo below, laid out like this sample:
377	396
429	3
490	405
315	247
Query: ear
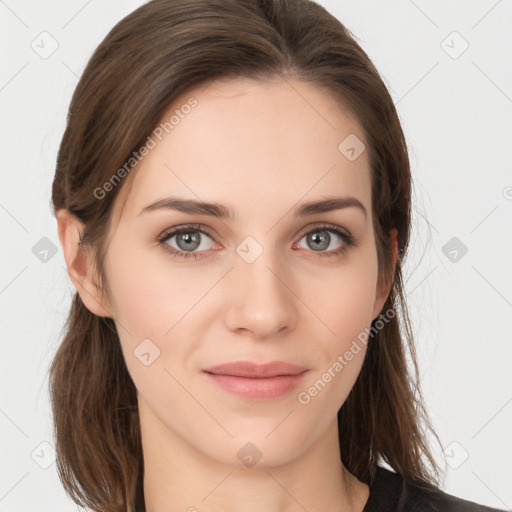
79	262
383	288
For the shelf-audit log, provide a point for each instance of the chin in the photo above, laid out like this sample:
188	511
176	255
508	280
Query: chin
259	449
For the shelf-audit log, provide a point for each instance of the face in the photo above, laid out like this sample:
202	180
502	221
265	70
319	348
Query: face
267	281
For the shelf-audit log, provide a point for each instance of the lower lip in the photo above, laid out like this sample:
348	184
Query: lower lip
257	389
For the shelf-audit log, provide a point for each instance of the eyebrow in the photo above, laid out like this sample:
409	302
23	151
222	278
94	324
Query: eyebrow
220	211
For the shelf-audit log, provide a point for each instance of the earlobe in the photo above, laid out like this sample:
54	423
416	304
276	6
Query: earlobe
383	289
79	263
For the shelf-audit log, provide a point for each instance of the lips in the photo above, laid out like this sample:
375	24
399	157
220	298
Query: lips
256	381
256	371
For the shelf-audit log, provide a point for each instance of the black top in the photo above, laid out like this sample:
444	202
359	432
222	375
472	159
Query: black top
389	493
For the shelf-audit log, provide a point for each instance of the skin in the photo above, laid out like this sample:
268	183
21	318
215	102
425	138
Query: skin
260	150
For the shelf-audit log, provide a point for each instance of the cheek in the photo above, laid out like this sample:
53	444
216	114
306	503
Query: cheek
344	319
160	303
342	298
148	297
343	311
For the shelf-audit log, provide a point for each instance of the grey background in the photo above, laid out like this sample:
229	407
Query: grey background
456	112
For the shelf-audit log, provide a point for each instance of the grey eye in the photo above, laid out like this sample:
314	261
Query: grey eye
318	242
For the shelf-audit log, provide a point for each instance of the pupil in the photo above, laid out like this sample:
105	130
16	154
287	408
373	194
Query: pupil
188	238
320	241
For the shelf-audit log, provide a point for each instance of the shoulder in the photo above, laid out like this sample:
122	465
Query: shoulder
390	493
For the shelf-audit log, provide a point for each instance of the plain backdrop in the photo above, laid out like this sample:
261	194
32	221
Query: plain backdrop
447	66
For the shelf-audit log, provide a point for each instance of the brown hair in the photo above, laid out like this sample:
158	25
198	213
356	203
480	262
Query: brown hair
160	51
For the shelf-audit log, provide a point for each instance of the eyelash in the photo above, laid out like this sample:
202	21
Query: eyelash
349	240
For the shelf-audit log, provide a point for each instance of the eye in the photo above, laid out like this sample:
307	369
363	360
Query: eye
188	238
319	240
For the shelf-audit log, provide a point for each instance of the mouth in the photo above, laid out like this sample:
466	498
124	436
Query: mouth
256	381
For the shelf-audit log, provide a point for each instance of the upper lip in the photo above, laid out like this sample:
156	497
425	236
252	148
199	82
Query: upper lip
254	370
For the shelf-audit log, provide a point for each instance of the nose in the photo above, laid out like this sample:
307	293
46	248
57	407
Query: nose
260	297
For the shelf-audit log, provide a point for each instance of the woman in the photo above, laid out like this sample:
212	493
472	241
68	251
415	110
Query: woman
232	194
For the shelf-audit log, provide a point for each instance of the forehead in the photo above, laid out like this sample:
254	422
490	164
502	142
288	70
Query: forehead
245	139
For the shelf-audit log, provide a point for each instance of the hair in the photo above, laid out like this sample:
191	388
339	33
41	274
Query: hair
160	51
